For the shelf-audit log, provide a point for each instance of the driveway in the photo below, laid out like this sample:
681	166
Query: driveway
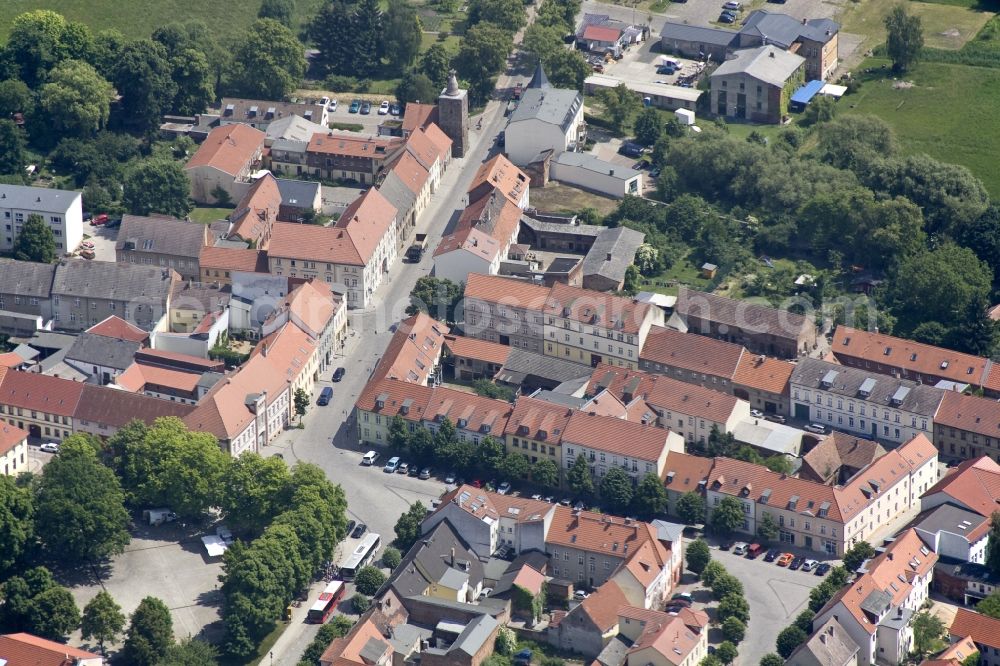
104	240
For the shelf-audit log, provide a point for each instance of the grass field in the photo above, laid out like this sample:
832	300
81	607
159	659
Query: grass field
961	132
947	24
207	214
138	18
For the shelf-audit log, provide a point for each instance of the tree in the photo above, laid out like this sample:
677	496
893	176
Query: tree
12	155
360	603
408	527
102	619
733	629
616	490
489	455
507	14
650	499
690	508
36	44
437	297
542	41
489	389
928	634
904	38
790	638
819	595
804	620
620	104
196	652
990	605
710	660
268	61
336	628
330	31
648	126
36	242
712	570
698	556
578	477
416	87
778	463
15	97
821	109
156	186
735	606
726	652
16	527
631	284
771	659
279	10
993	545
399	433
80	507
368	580
391	557
402	30
76	100
506	641
54	614
728	515
767	528
976	332
971	660
567	68
857	554
195	80
301	402
545	473
150	633
435	64
514	466
254	489
142	75
724	585
838	577
482	54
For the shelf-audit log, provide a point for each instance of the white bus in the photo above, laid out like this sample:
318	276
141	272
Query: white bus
361	556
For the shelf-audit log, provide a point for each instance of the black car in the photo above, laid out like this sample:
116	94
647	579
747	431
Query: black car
350	525
796	563
772	555
725	545
359	531
822	569
338	374
631	149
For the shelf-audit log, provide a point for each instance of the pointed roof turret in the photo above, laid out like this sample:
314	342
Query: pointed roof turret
538	79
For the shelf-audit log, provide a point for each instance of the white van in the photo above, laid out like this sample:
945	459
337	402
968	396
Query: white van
369	458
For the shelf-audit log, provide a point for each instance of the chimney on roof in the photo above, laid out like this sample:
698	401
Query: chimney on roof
889	555
452	557
771	54
804	21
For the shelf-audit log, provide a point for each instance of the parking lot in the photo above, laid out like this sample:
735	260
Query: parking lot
104	240
775	594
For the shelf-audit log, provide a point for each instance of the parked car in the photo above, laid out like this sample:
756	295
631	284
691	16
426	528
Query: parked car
449	477
503	488
383	108
87	254
391	465
809	565
351	524
99	220
403	468
631	149
822	569
359	531
776	418
87	217
332	106
733	5
666	69
580	595
785	559
366	108
425	473
338	374
395	110
325	396
369	458
725	545
771	555
355	106
756	413
49	447
754	550
523	658
686	596
87	245
678	604
727	18
817	428
740	548
113	222
414	471
324	100
797	562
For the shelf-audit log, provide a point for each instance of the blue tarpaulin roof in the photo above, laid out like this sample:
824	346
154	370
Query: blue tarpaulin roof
804	94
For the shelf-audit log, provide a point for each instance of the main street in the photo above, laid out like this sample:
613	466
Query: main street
328	439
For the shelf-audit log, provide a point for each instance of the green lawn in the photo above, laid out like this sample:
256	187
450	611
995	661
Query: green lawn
207	214
138	18
961	132
683	272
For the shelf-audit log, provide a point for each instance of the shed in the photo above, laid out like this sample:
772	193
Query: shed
709	270
684	116
801	97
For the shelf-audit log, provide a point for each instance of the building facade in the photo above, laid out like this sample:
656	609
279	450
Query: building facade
61	210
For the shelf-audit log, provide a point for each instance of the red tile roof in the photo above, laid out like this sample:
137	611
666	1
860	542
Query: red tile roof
347	651
116	327
600	33
414	349
601	607
506	291
111	407
30	390
501	174
688	351
138	375
983	629
420	146
312	304
256	213
469	239
969	412
596	533
480	350
10	436
27	650
974	484
352	146
442	142
597	308
233	259
308	242
670	638
764	373
10	360
685	472
168	357
366	221
409	170
418	115
959	650
617	436
538	419
228	148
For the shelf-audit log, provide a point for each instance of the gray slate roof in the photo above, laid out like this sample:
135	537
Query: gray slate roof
43	199
398	194
830	645
26	278
297	193
769	64
102	279
739	314
783	30
555	227
521	361
556	106
161	235
477	632
591	162
918	399
621	244
695	33
92	349
429	561
294	127
948	517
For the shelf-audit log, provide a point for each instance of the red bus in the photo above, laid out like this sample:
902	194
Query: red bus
320	611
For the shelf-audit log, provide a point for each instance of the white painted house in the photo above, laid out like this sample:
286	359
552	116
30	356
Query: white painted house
62	210
589	172
546	118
